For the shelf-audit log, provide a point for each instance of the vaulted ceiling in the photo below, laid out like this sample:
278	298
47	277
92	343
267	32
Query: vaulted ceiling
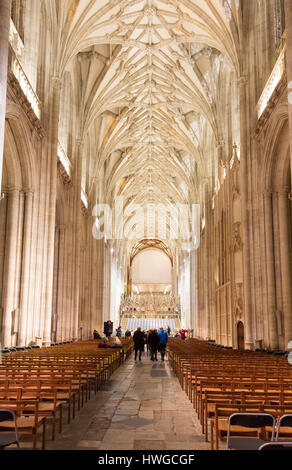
151	74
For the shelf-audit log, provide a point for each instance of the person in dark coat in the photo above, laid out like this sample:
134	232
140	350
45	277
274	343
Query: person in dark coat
128	334
163	339
153	341
96	335
146	340
138	343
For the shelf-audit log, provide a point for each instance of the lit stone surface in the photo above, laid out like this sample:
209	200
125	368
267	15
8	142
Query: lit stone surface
135	411
156	103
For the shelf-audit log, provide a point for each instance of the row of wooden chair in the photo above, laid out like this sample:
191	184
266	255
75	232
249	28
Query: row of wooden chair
219	424
36	384
221	382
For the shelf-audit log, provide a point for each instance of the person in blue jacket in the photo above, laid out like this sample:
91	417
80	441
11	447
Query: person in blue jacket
163	339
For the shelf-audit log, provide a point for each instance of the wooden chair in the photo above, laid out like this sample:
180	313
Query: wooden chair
28	420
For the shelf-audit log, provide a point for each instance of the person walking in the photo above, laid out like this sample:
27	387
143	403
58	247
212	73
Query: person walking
163	339
182	334
153	341
146	340
119	332
128	334
168	330
138	338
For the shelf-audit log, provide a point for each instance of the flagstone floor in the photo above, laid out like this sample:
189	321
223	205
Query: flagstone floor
141	407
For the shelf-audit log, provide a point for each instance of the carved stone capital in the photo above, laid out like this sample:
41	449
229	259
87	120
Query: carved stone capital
220	144
15	190
28	191
242	81
267	194
284	192
56	81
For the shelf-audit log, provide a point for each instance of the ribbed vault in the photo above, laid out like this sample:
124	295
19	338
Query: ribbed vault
150	72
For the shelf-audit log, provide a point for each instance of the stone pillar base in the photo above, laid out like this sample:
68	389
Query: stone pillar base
38	341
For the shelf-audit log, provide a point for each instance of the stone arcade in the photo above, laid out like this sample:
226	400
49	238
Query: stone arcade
156	102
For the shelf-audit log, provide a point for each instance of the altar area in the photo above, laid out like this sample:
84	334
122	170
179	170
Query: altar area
150	310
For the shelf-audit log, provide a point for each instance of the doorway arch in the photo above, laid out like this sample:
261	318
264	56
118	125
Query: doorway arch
277	213
151	271
17	238
240	336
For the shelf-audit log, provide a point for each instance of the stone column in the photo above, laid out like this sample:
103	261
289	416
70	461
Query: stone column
221	160
3	212
219	164
60	301
263	268
53	155
271	282
55	284
10	265
88	270
244	176
285	250
17	288
24	312
5	9
174	275
106	285
102	283
194	285
83	312
206	285
212	299
288	15
69	268
77	187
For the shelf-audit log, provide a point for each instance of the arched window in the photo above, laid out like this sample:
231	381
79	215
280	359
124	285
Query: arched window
17	9
223	277
279	21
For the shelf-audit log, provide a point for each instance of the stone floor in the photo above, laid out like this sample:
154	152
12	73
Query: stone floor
141	407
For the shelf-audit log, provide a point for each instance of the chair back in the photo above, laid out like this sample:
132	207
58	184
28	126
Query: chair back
252	420
277	446
285	421
7	415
